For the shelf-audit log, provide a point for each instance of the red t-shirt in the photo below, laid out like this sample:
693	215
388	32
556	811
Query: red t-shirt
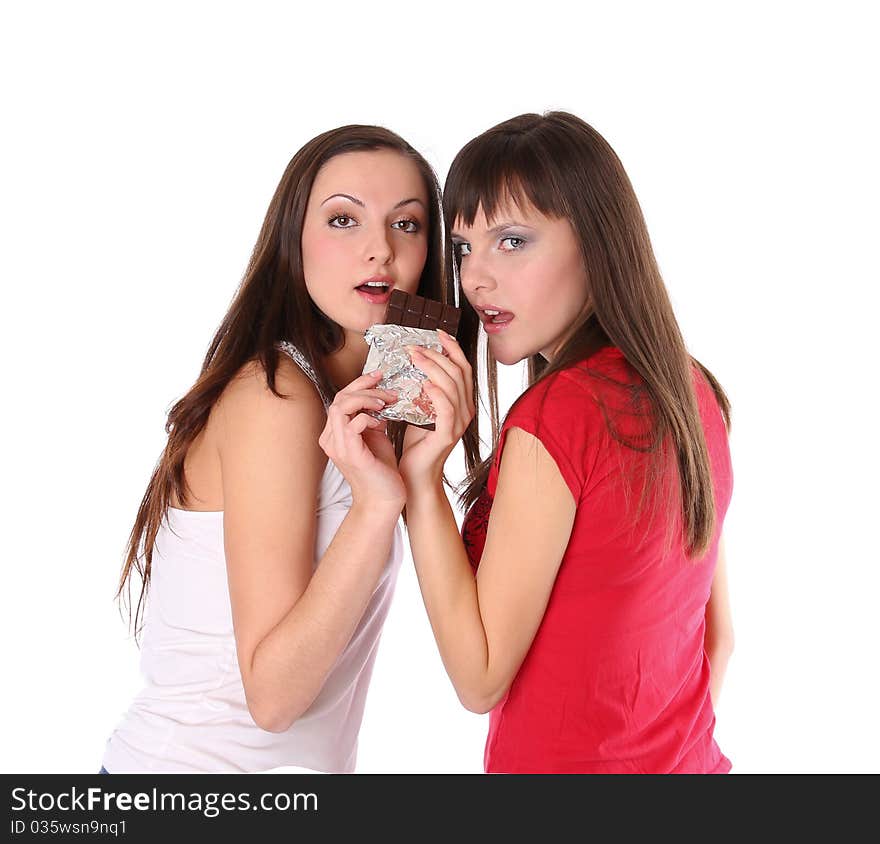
617	678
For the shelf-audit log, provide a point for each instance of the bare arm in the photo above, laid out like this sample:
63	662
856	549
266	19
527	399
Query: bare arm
719	626
290	624
484	626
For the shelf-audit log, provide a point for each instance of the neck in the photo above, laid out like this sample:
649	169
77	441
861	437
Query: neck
347	364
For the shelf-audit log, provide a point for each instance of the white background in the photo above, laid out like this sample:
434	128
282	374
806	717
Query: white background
142	143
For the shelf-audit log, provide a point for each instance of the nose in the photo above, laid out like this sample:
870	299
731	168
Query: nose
379	249
475	275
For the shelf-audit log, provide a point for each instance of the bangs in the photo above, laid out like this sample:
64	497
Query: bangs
499	169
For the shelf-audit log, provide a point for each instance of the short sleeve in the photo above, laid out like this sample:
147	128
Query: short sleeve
561	413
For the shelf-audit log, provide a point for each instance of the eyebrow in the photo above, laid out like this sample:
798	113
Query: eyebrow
344	196
407	202
511	224
356	201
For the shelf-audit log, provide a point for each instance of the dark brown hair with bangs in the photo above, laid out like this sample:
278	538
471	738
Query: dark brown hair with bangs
565	169
272	304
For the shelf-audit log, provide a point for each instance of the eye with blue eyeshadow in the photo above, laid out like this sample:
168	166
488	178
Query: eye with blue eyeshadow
521	241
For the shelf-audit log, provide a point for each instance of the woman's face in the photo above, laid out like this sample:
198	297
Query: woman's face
530	268
366	220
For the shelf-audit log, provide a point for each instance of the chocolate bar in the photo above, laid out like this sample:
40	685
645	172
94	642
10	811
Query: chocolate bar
414	311
410	320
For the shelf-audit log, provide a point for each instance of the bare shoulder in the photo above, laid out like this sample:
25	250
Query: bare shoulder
249	390
248	407
528	469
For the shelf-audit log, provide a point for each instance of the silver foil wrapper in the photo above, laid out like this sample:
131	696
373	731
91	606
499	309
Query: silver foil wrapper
387	353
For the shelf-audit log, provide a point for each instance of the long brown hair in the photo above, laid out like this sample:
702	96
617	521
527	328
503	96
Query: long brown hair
567	170
271	304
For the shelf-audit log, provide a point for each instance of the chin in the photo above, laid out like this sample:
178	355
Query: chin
511	357
361	328
358	323
506	358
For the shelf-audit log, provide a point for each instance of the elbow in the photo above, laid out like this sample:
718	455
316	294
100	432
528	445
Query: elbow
271	717
727	652
725	645
478	707
720	647
479	701
275	707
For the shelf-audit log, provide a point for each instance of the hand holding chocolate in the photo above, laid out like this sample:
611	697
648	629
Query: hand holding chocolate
410	320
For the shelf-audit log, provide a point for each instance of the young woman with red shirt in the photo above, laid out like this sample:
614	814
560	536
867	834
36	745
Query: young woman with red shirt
596	629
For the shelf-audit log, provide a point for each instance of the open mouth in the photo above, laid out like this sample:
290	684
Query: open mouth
377	291
493	317
494	320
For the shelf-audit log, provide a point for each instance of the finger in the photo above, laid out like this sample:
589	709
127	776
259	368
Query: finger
388	396
379	392
436	366
445	385
339	415
444	409
381	425
367	380
441	360
456	353
381	448
361	423
352	403
348	440
365	438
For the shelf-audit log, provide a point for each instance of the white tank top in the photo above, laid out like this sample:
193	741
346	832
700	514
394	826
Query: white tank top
192	715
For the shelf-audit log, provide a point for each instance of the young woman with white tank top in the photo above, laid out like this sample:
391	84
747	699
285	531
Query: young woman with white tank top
268	540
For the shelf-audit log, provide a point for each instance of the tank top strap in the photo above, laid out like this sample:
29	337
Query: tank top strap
300	360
